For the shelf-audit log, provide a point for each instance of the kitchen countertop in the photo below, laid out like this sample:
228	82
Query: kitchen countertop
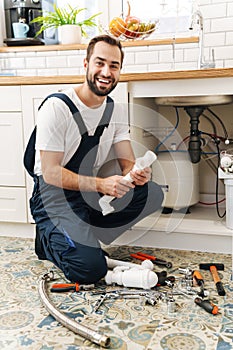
126	77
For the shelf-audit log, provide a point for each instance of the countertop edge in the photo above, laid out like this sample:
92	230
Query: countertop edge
125	77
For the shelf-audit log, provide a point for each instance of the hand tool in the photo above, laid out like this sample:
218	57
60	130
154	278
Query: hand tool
156	261
198	278
164	280
99	302
207	306
186	271
67	287
213	268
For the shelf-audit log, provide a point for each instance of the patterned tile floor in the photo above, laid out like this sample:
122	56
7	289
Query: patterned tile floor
26	325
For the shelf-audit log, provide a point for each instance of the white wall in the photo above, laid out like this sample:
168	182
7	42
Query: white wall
218	34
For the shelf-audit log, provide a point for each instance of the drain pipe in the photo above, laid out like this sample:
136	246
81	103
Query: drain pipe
74	326
194	141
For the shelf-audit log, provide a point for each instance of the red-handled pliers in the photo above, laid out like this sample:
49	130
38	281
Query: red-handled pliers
156	261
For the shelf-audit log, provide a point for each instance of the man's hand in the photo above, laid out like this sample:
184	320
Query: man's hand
141	177
115	186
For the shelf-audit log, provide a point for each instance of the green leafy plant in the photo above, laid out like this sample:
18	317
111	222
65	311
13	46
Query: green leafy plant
63	16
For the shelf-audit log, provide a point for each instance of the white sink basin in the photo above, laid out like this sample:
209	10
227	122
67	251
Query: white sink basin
180	101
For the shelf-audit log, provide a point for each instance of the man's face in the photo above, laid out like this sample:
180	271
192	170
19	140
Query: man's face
103	69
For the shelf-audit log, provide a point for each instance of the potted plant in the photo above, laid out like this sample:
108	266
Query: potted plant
66	20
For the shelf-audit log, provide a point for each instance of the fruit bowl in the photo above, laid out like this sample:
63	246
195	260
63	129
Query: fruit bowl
134	30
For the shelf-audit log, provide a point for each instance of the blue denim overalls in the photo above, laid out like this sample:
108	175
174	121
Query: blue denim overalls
70	223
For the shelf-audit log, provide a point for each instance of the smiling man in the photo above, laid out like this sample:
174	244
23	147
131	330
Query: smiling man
75	133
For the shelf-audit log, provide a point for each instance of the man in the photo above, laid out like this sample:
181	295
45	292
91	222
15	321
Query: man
64	204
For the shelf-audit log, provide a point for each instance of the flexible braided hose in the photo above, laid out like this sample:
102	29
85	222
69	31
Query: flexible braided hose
74	326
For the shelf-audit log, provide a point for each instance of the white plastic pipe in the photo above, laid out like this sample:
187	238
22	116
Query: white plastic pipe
132	277
140	164
146	264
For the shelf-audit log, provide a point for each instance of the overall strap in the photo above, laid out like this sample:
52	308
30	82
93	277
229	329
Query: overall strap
73	109
29	154
104	122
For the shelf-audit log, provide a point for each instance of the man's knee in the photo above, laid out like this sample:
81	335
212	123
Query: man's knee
151	195
85	268
155	195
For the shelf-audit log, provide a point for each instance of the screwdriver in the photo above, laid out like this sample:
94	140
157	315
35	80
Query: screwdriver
197	276
67	287
207	306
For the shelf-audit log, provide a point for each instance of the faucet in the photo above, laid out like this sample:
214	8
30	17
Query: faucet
198	19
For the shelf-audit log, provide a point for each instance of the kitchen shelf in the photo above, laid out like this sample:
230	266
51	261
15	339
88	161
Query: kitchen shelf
129	43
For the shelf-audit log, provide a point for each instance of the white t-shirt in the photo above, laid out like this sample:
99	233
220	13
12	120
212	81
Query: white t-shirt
57	131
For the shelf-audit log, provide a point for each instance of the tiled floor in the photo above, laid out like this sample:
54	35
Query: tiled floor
130	324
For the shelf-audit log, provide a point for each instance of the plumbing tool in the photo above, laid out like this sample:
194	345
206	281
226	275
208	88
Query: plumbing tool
194	277
156	261
150	297
165	280
140	164
67	287
76	327
213	268
198	278
186	271
207	306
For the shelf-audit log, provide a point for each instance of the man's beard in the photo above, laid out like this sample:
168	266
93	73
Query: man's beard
99	92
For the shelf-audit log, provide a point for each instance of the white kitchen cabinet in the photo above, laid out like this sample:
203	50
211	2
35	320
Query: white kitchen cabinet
11	140
10	99
13	207
202	229
32	96
12	177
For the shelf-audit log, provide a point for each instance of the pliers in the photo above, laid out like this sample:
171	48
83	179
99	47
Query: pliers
156	261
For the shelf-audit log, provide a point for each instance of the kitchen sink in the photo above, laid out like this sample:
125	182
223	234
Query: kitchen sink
182	101
194	107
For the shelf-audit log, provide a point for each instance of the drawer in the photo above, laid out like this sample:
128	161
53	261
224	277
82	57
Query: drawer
13	206
11	144
10	100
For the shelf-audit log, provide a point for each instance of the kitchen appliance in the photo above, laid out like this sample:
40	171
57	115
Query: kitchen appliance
179	178
24	11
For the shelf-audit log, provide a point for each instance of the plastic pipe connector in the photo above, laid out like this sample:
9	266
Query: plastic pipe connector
140	164
146	264
132	277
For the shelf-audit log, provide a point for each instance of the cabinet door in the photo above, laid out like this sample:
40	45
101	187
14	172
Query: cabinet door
13	206
10	99
32	96
11	145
